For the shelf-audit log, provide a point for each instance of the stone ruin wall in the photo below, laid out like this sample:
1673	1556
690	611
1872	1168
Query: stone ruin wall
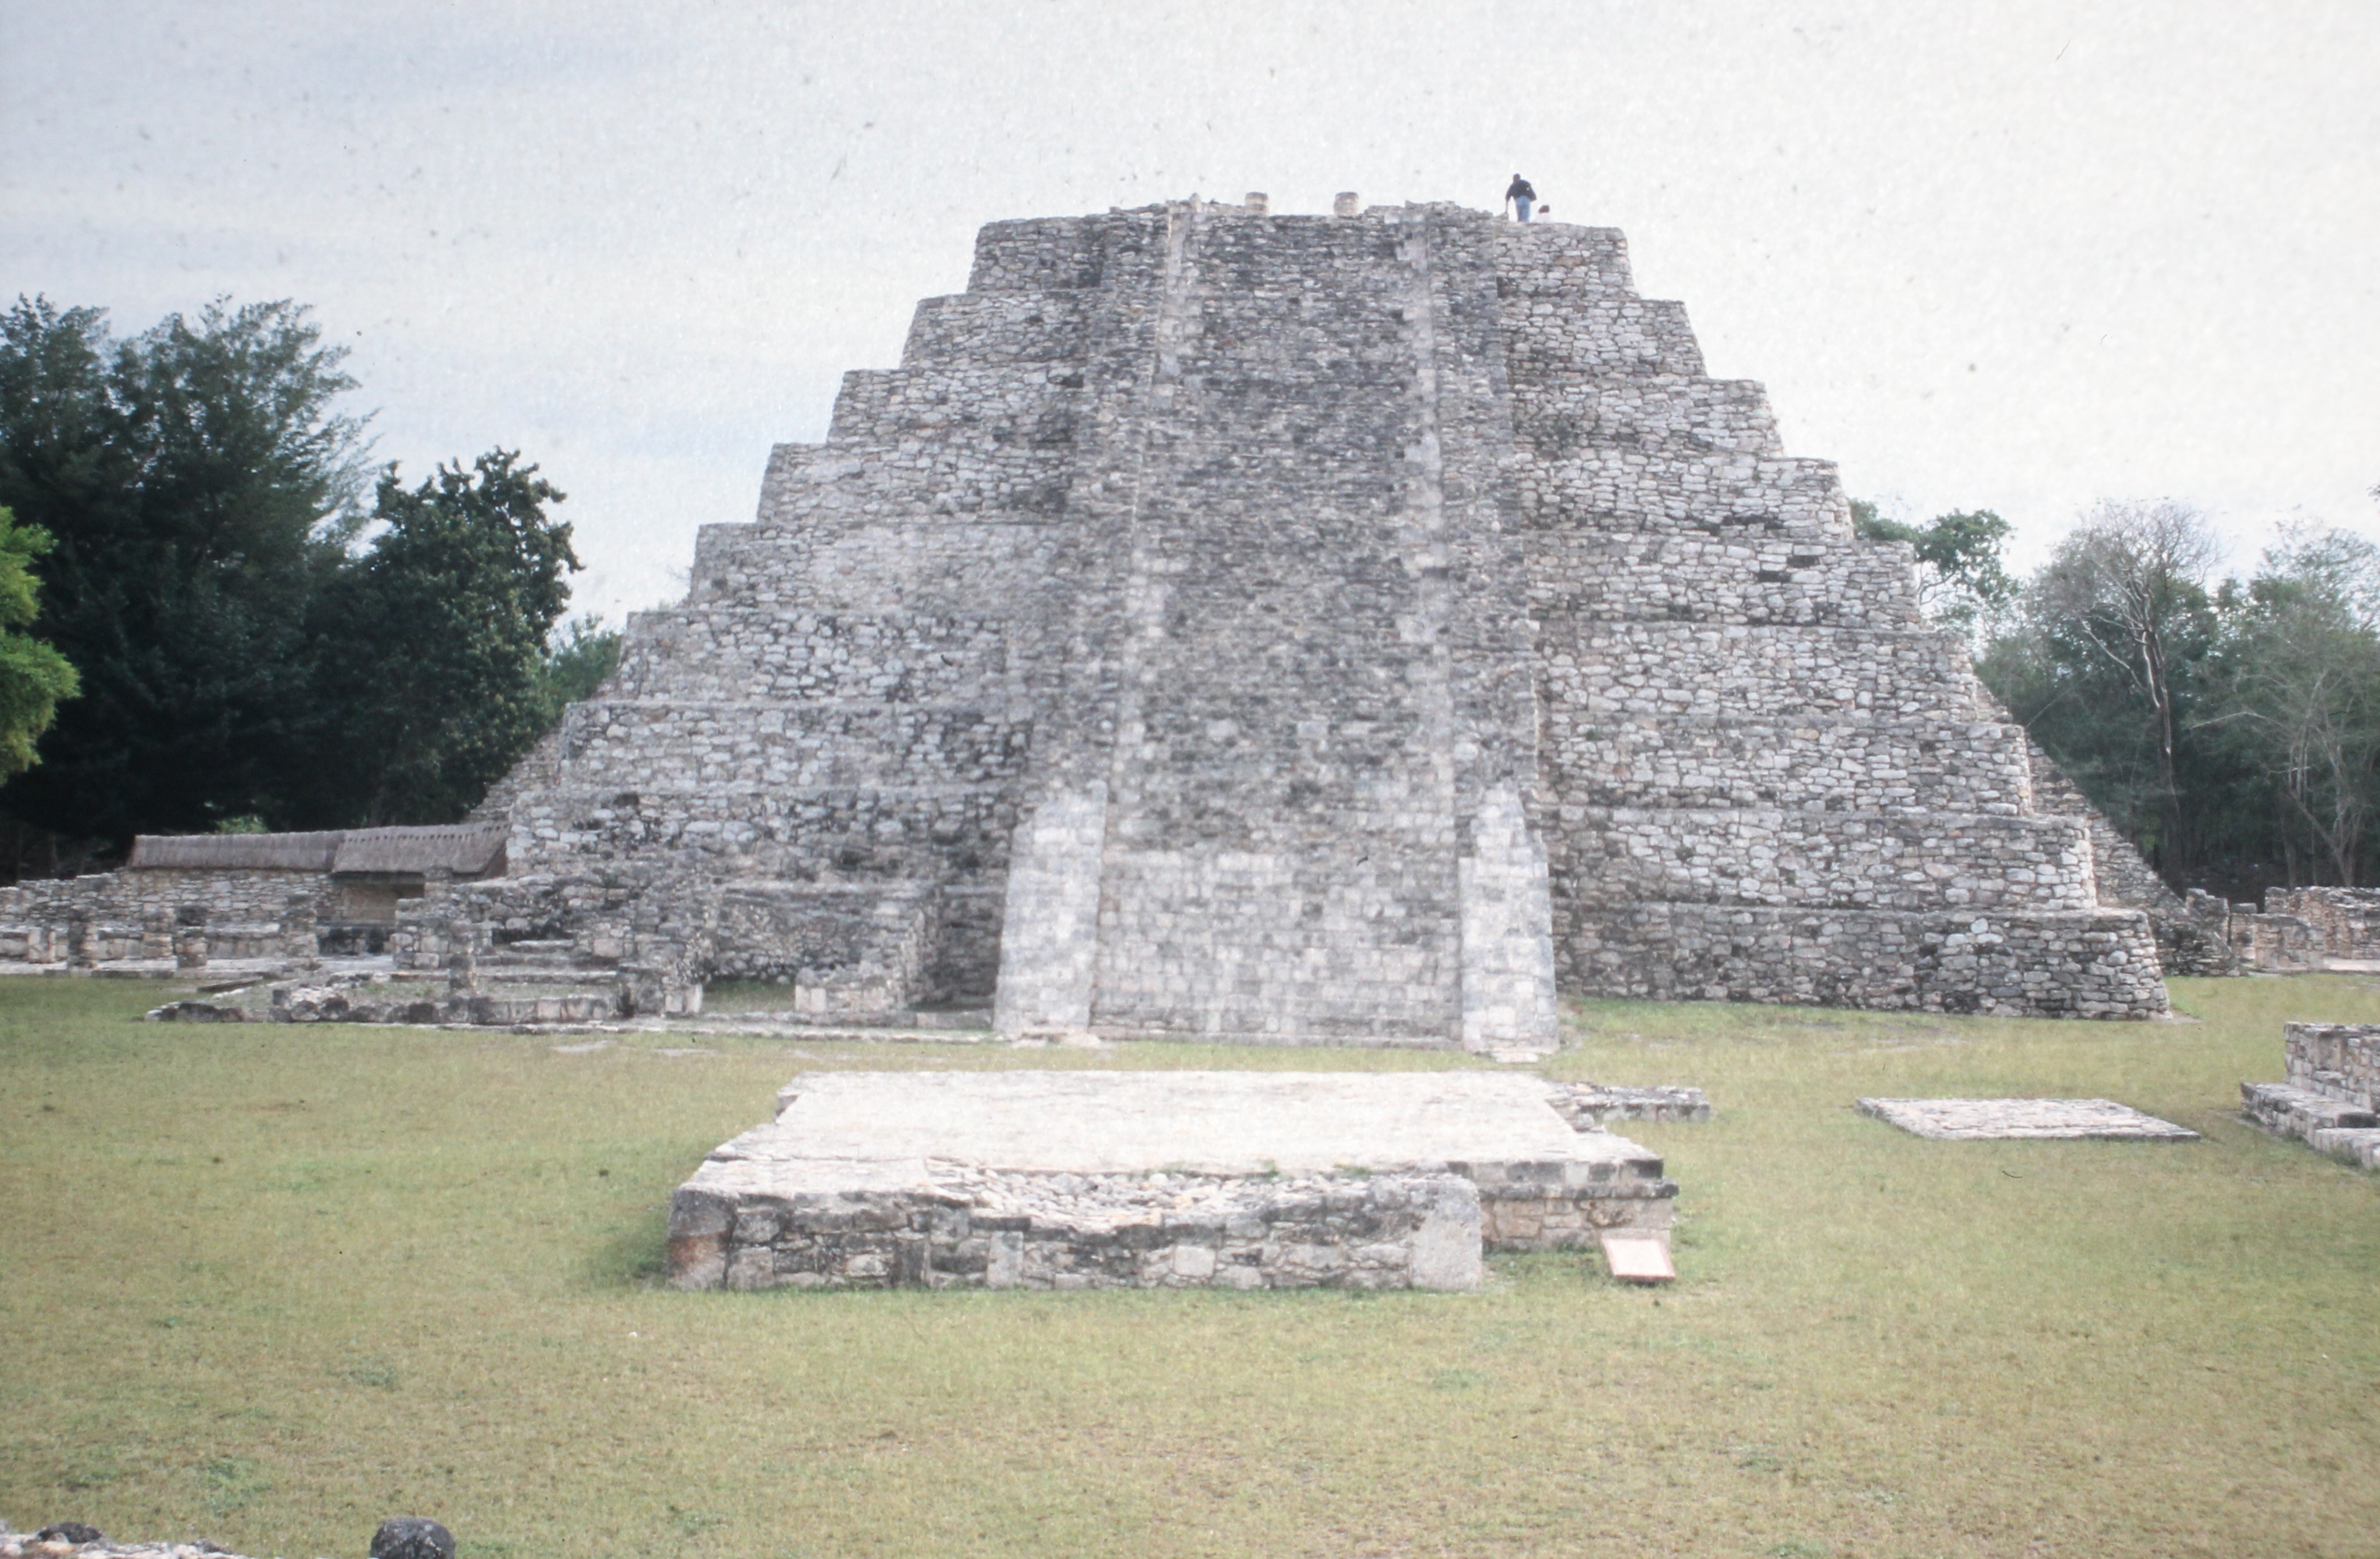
1308	628
2187	942
109	917
2331	1099
2299	930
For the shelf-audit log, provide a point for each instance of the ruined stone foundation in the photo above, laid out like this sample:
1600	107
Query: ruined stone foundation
1301	629
2332	1098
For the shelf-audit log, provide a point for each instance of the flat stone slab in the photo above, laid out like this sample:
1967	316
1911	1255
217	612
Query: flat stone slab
1066	1179
1976	1119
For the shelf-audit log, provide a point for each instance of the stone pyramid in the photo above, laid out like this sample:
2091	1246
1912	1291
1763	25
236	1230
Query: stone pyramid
1303	629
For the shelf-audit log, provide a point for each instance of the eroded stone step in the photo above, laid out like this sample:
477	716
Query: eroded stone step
1551	421
1717	492
2086	963
1598	670
1608	858
691	743
1831	763
1751	578
1034	328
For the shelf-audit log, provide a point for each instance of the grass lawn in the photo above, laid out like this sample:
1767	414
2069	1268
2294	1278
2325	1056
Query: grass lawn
270	1284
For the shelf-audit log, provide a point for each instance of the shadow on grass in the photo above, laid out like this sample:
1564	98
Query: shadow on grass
633	1254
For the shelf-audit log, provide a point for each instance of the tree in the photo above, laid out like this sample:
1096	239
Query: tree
2299	670
33	677
200	488
577	660
2125	592
433	647
1961	582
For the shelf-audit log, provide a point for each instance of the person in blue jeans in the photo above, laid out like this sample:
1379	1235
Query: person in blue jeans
1521	196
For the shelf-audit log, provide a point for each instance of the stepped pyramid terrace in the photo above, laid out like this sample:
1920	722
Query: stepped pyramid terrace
1304	628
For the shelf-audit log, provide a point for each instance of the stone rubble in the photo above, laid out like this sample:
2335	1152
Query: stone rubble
1589	1106
378	1000
32	1545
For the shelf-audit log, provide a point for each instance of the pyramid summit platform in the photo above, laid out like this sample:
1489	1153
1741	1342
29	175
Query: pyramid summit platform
1063	1179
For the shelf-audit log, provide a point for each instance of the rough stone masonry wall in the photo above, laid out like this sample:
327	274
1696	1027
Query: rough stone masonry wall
2300	930
129	915
1000	1230
1307	628
1765	778
2346	921
829	733
2339	1060
2189	942
2332	1098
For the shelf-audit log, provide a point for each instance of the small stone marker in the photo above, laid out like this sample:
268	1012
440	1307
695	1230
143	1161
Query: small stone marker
412	1537
1978	1119
1637	1257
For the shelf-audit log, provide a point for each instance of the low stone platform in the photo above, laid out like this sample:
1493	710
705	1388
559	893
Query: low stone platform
1977	1119
1075	1180
2332	1098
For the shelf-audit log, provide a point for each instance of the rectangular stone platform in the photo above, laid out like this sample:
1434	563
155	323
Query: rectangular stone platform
1984	1120
1073	1180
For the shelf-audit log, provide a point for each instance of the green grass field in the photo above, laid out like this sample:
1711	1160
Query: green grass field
267	1284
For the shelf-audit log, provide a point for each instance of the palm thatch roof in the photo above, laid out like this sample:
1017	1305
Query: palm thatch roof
236	852
464	849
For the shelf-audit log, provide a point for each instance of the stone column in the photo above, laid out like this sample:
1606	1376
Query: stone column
299	944
1050	937
79	957
191	936
157	934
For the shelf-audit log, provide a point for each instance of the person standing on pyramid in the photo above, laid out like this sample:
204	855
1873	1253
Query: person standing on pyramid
1519	196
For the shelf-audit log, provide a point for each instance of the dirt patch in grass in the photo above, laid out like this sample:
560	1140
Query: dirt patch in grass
271	1284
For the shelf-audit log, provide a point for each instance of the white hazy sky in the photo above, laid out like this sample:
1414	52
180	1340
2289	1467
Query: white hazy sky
2013	256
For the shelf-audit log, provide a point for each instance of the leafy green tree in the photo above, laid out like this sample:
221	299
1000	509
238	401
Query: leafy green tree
2105	664
200	488
2298	702
1961	583
577	660
33	677
433	646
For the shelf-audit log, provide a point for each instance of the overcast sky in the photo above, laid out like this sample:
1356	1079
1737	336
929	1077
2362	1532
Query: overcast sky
2013	256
